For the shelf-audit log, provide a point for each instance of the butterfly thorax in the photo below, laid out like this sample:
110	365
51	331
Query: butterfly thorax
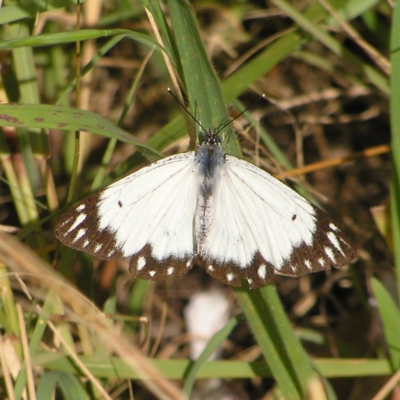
209	157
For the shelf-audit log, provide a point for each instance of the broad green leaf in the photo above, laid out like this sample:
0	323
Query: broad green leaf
65	118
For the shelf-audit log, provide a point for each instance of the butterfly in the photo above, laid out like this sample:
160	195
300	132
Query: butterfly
208	208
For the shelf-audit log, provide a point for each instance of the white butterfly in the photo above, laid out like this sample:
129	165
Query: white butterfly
209	208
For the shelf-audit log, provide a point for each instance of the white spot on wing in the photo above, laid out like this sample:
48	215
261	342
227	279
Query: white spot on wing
262	271
329	253
230	276
170	270
152	273
141	262
111	252
250	281
293	268
81	207
67	221
79	219
333	239
98	247
86	243
333	227
321	261
79	234
308	264
210	268
189	262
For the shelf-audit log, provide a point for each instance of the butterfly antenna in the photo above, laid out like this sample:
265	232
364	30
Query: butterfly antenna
242	112
186	110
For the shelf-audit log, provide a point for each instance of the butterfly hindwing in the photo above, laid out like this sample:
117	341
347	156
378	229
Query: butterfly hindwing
146	217
143	265
257	274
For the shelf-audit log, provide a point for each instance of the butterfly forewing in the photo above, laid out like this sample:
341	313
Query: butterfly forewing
259	225
146	217
79	228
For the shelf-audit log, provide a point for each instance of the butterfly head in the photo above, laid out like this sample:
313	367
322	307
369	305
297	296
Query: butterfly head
212	138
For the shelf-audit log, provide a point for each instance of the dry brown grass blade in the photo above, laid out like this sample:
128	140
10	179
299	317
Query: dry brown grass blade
372	151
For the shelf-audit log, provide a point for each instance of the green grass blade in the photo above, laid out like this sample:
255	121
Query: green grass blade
204	91
30	9
390	315
114	367
158	14
211	347
51	39
69	384
253	70
282	351
395	126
